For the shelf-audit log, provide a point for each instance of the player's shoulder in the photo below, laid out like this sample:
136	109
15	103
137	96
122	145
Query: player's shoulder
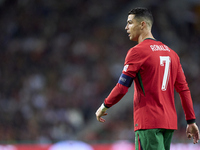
136	48
143	46
133	50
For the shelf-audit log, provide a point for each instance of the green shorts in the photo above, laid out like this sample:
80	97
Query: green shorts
153	139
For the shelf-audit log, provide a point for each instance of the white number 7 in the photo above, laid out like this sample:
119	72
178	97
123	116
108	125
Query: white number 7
167	61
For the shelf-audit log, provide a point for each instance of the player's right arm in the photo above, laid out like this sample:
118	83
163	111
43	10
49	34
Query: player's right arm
122	86
115	96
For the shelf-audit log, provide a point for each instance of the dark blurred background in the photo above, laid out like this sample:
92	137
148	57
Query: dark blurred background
60	59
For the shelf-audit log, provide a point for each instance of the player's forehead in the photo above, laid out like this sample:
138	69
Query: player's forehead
130	18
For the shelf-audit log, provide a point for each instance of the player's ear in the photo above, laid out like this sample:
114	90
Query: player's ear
142	25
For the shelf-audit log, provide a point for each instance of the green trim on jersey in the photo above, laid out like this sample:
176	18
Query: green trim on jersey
140	81
150	39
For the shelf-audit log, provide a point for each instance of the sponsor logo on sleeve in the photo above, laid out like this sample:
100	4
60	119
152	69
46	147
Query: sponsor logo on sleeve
122	79
125	68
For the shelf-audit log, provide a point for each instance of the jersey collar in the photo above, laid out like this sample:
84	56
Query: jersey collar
150	39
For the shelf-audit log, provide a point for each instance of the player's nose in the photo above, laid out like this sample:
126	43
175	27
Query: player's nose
126	27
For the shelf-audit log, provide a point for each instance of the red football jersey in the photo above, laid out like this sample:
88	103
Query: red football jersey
156	70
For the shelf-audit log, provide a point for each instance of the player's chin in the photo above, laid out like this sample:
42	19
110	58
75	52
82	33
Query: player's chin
131	39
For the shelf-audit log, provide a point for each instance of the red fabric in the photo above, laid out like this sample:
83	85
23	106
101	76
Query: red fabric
139	144
116	94
154	101
184	92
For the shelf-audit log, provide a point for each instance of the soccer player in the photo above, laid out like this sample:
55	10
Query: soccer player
156	71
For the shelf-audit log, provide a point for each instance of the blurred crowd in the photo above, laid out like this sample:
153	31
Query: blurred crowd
60	59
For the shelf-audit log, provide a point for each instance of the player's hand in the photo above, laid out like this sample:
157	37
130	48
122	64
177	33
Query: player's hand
193	131
99	113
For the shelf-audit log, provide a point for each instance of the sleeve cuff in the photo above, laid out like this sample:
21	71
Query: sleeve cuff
191	121
105	105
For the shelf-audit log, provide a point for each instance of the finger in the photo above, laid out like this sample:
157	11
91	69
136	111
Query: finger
197	135
189	135
102	120
196	138
99	115
104	114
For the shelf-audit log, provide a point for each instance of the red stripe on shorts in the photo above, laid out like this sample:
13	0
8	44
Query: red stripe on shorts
139	144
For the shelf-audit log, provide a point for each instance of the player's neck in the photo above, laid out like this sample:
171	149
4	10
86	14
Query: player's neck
144	36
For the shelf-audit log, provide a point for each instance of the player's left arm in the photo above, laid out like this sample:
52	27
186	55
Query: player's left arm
182	88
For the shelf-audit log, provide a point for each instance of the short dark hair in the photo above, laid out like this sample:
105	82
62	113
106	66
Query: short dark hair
141	12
